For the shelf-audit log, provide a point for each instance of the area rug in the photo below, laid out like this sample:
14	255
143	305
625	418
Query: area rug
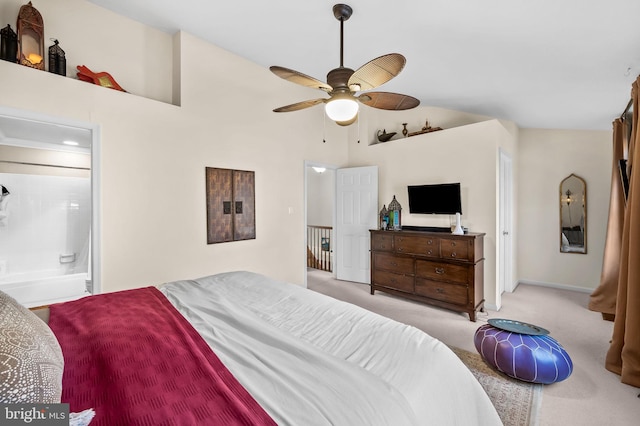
516	402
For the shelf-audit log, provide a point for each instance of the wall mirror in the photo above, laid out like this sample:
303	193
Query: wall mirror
573	215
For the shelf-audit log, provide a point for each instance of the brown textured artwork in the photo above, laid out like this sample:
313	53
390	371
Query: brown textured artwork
230	205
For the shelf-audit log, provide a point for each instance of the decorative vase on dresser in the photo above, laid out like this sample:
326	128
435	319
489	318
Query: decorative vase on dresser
437	268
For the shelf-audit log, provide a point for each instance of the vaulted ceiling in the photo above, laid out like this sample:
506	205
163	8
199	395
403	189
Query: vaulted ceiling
543	64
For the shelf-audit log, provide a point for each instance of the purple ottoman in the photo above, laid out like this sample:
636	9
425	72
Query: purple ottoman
522	351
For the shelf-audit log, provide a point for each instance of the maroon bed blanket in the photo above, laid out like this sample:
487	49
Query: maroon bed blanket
134	359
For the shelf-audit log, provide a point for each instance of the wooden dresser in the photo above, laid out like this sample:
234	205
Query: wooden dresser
437	268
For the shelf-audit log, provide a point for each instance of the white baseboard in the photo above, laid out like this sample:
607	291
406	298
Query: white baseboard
490	307
555	285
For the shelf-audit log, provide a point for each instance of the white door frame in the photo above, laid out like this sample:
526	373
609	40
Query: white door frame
95	267
505	225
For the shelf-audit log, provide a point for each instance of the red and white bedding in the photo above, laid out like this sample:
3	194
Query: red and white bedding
305	358
136	361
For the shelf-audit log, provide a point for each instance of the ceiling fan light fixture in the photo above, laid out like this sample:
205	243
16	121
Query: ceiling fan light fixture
341	108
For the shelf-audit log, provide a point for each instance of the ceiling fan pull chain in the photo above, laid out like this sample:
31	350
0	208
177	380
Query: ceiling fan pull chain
324	127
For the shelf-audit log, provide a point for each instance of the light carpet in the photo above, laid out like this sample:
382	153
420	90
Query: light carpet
517	402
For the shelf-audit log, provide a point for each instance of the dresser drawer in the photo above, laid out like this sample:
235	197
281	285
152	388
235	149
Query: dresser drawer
424	246
382	242
446	292
442	271
391	280
456	249
397	264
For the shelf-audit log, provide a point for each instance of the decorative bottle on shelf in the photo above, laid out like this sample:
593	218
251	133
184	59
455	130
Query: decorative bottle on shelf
458	229
395	214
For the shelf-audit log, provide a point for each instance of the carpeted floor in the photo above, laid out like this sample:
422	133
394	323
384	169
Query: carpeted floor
517	402
591	396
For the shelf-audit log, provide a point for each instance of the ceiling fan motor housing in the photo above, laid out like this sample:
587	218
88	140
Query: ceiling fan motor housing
338	78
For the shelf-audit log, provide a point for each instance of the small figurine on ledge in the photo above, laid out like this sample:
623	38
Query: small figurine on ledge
384	136
426	129
103	79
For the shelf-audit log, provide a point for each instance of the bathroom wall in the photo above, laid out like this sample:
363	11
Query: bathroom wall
44	225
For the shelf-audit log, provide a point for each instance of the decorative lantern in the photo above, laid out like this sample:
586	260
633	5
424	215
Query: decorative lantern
31	37
57	60
395	214
384	218
8	44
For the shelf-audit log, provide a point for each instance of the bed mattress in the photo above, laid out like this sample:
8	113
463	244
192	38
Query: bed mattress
309	359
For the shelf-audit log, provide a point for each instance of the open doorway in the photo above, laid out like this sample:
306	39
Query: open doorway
319	218
49	248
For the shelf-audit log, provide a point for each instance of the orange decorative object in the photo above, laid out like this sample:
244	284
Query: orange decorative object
103	79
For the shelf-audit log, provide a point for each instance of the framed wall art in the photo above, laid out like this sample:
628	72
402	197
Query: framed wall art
230	205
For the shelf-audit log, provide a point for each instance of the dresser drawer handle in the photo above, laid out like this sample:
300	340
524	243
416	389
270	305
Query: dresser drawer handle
400	249
439	271
439	290
453	254
453	243
394	264
393	280
383	246
430	242
429	251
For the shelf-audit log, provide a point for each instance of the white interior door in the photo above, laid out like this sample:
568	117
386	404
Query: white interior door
505	281
356	214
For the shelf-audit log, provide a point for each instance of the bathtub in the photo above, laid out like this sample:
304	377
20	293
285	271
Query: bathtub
44	287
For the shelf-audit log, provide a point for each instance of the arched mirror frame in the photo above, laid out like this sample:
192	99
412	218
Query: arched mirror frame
573	215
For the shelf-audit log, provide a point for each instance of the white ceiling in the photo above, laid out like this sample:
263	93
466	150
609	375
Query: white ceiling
543	64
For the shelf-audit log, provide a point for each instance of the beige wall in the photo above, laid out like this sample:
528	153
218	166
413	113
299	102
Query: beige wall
547	157
467	154
30	161
153	154
137	56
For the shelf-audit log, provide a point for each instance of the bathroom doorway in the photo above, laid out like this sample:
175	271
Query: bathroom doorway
49	232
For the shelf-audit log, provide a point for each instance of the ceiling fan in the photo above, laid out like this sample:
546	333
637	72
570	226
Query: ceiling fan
343	83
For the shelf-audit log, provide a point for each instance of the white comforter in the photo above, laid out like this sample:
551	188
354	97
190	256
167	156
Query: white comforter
309	359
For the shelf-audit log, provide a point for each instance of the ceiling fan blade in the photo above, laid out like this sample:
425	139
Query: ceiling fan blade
388	101
299	105
299	78
377	72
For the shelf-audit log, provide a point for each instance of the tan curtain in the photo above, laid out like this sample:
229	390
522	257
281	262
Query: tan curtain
603	299
623	356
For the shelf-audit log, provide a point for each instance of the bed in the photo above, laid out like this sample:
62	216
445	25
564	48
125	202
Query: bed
275	352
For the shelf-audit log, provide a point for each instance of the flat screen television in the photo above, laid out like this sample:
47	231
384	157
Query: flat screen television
443	198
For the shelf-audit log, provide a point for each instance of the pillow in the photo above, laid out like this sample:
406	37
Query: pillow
31	361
